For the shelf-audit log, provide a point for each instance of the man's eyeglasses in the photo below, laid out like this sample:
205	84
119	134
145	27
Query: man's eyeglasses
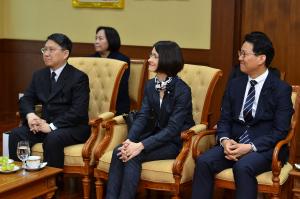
244	54
50	50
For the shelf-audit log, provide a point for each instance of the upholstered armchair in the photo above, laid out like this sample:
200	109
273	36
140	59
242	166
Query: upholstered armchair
104	78
272	182
166	175
136	82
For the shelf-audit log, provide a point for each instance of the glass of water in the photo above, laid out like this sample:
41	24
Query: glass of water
23	152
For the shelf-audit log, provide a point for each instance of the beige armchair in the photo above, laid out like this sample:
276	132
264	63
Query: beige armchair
104	78
136	82
167	175
272	182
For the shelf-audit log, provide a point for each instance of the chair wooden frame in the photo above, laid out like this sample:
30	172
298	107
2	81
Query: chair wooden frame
178	164
275	189
135	104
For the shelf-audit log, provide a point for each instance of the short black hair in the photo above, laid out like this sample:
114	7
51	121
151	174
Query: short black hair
170	57
112	36
262	45
62	40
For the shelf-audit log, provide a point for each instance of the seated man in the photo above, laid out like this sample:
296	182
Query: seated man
255	115
63	92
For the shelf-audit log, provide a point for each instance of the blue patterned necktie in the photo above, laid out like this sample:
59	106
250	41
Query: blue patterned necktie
247	112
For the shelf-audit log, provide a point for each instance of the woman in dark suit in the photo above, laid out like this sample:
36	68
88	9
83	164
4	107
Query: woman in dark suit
168	98
107	45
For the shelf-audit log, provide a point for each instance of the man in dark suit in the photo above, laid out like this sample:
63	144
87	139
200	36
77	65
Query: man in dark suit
255	115
63	92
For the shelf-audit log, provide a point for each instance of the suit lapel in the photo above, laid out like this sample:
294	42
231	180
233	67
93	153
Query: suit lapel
239	95
263	98
60	82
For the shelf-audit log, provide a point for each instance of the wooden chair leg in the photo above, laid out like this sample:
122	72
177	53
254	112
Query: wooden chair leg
86	184
99	188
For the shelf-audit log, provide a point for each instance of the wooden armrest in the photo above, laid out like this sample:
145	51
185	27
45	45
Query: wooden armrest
186	136
198	128
196	150
116	120
95	127
276	164
109	126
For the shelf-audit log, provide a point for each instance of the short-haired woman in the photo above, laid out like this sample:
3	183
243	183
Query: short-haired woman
107	45
169	99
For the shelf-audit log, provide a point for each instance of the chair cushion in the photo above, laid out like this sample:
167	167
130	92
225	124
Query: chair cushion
153	171
264	178
72	154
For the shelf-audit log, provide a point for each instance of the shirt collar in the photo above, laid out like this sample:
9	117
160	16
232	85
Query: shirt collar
260	78
58	70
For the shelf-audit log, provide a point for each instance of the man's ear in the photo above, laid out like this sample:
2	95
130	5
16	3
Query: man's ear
262	59
66	54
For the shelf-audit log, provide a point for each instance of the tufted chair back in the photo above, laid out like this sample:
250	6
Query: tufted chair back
101	72
199	78
136	82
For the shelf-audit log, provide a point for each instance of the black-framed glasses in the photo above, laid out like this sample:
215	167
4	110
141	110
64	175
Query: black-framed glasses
244	54
50	50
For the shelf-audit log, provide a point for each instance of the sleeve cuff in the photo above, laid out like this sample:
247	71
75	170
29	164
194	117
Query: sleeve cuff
253	147
52	127
223	138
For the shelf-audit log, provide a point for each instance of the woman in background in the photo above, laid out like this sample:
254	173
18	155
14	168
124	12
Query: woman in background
107	45
168	98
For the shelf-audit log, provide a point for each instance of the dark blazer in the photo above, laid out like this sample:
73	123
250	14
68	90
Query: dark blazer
123	101
66	106
174	116
272	118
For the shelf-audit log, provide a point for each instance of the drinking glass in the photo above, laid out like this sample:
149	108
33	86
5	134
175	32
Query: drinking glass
23	152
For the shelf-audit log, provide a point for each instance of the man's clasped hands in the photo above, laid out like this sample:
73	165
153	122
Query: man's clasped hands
37	124
233	150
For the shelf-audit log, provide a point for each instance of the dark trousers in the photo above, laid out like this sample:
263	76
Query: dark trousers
53	143
245	171
124	178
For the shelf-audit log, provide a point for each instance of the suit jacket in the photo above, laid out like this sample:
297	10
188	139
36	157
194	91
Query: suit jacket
66	106
173	117
123	100
272	118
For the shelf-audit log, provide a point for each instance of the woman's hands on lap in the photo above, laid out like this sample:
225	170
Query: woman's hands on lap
129	150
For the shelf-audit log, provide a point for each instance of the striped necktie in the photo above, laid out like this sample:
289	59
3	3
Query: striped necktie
247	112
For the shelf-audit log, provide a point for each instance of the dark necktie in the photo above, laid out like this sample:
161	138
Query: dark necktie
53	74
247	112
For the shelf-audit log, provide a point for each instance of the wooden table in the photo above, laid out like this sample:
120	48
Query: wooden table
33	184
296	183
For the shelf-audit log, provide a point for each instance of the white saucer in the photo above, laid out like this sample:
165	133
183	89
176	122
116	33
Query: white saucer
42	165
16	168
297	166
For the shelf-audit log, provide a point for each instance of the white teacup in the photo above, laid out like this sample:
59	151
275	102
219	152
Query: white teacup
33	162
